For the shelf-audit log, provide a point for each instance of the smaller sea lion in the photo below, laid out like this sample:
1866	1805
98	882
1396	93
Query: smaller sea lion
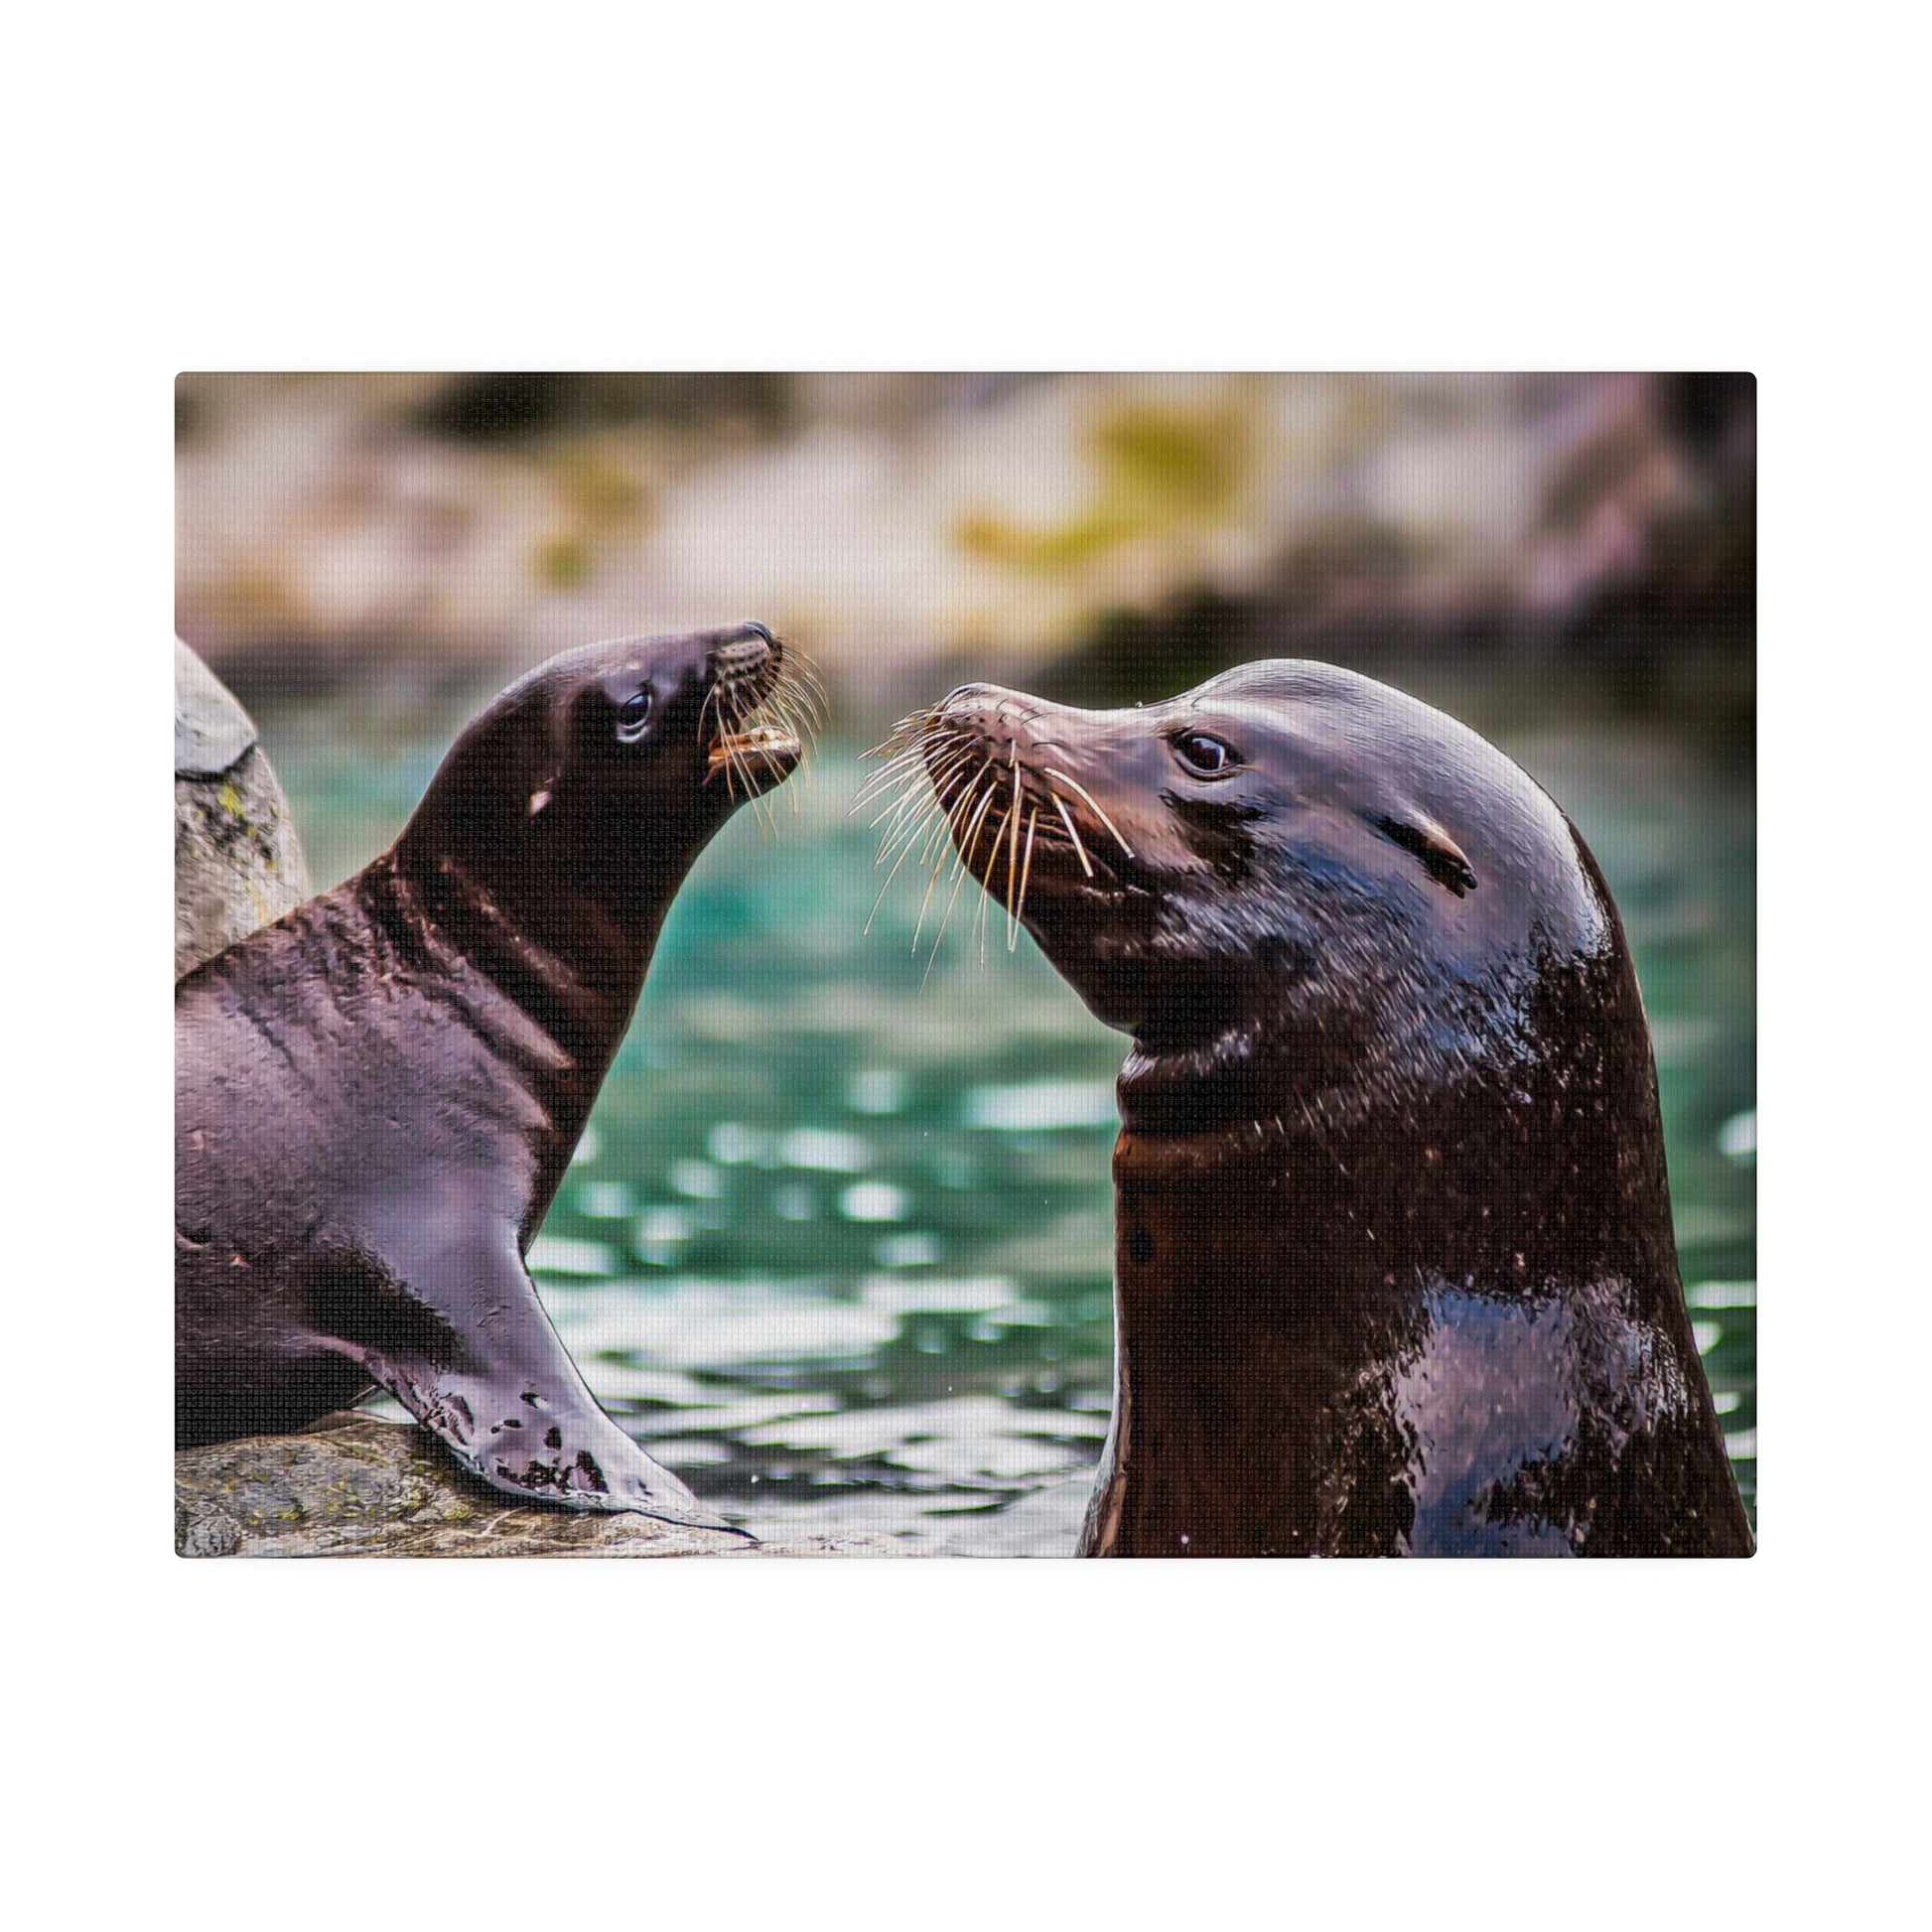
1394	1271
377	1096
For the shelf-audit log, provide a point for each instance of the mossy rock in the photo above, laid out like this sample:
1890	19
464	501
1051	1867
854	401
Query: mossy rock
238	864
355	1486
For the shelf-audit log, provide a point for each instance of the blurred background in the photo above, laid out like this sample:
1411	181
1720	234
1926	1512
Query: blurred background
838	1243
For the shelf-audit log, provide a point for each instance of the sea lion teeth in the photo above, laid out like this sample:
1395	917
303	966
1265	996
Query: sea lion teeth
762	741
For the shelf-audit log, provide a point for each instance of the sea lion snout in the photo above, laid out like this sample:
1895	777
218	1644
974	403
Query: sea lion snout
761	699
1036	762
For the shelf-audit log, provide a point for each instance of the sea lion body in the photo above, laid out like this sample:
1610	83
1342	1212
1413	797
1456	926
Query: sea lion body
377	1096
1394	1268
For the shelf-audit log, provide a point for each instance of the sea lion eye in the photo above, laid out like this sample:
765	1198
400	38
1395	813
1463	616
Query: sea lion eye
632	716
1206	754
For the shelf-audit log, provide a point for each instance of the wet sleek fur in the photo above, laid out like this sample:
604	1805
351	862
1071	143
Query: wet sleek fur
376	1097
1394	1266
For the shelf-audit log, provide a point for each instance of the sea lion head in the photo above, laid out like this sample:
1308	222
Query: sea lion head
1288	879
610	767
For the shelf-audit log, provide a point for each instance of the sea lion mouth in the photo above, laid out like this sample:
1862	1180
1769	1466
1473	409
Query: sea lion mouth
756	758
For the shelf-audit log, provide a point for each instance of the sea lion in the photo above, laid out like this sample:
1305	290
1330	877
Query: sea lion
376	1097
1394	1271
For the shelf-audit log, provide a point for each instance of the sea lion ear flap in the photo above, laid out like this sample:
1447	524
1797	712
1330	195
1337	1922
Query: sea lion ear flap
556	755
1443	859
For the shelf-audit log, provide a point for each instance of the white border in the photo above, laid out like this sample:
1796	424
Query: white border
928	1741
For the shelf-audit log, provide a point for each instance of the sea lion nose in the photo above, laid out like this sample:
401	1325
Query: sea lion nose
740	651
971	697
740	648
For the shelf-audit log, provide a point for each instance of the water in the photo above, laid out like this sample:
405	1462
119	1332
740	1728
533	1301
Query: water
837	1244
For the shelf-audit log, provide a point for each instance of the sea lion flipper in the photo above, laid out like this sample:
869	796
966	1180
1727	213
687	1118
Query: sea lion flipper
495	1382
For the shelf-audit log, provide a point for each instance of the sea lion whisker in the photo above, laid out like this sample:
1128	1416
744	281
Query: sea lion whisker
942	820
1050	772
944	825
918	751
788	725
1013	853
890	747
1025	874
1074	832
908	832
991	791
886	774
959	879
889	779
937	765
898	775
908	806
905	735
926	815
795	667
918	924
901	799
938	840
951	765
802	691
912	835
913	801
891	791
889	876
973	830
986	898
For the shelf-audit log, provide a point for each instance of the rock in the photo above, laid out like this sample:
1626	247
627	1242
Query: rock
355	1486
238	862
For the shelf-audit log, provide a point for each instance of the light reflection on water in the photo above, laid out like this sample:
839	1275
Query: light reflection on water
837	1247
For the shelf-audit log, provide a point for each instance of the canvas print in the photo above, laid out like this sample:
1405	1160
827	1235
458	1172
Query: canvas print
965	965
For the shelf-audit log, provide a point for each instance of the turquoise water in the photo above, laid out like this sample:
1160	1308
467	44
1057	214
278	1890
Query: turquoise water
837	1244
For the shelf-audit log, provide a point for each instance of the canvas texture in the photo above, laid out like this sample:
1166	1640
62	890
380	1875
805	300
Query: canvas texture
965	965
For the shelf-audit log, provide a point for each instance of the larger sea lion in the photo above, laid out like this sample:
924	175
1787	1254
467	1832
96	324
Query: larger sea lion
1394	1271
376	1097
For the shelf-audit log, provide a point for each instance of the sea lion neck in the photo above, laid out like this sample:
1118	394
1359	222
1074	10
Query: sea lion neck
529	887
1344	1325
565	890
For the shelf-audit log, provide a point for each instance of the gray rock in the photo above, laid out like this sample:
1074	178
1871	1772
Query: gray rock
355	1486
238	862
